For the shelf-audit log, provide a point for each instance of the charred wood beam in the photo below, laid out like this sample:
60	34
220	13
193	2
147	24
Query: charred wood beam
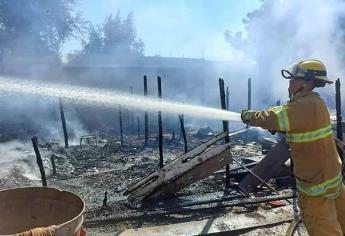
160	126
181	118
249	93
126	119
268	167
186	167
105	199
249	100
208	162
121	128
258	178
138	122
131	115
146	114
221	172
63	120
39	161
227	98
192	200
52	159
225	129
161	212
339	117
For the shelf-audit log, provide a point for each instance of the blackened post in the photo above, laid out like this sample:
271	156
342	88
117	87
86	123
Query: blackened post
225	128
62	113
105	199
132	114
39	161
339	117
52	159
146	114
160	126
138	121
126	118
181	118
227	98
249	93
121	129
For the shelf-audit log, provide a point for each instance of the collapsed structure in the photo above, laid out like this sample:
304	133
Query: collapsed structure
200	163
186	169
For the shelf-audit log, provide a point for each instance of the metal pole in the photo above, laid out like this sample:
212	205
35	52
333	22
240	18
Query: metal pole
121	129
225	128
62	114
160	127
39	161
146	114
339	117
249	93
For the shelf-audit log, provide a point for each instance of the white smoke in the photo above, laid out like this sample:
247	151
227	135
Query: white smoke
280	33
23	117
19	157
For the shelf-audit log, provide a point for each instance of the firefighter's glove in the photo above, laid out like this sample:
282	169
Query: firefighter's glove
246	116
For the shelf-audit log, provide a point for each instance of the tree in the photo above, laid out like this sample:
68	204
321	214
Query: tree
95	41
114	37
37	27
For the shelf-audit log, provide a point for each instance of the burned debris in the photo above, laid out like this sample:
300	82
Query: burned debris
185	170
126	142
130	180
190	184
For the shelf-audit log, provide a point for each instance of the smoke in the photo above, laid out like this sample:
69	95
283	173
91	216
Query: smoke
25	116
276	35
280	33
18	158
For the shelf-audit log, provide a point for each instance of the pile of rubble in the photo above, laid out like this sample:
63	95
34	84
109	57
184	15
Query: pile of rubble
101	174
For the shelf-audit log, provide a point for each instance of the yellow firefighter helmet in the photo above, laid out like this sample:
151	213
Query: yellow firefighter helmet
312	69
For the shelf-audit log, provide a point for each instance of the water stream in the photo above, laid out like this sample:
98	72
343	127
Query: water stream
110	98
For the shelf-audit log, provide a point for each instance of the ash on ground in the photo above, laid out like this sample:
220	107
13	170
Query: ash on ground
90	170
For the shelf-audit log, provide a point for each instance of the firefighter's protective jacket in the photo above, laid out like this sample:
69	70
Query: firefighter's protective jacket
306	121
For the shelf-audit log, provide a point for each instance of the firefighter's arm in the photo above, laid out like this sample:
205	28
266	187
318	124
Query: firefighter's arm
267	119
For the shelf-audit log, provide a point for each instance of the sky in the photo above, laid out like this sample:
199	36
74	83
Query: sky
274	35
176	28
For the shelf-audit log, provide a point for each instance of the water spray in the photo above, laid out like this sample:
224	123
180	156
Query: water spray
102	97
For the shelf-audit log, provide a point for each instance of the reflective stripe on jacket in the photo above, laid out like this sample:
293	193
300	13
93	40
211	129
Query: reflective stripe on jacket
306	122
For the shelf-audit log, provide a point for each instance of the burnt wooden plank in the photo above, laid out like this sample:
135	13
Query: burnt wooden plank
268	167
221	156
176	168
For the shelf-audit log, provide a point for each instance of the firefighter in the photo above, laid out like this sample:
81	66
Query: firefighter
317	167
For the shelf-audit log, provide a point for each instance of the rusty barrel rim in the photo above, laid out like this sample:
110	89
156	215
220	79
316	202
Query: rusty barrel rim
50	189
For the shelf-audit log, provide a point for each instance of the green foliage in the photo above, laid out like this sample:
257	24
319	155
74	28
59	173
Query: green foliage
114	37
37	27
